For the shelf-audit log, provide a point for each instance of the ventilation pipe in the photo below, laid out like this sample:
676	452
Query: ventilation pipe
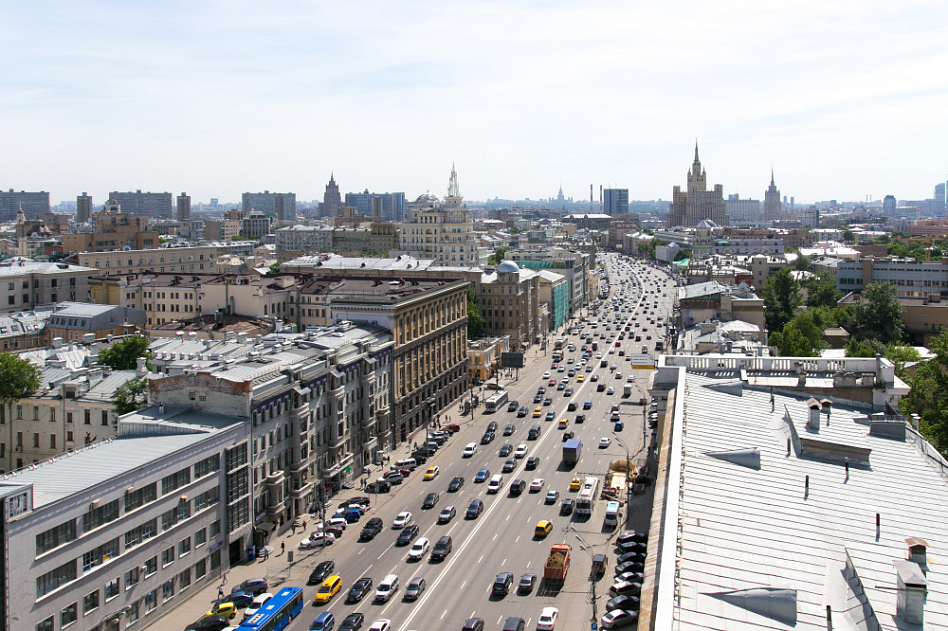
813	423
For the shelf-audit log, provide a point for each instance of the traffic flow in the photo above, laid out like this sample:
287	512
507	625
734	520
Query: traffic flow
508	516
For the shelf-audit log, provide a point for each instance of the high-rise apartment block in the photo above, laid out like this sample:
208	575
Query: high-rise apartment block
32	204
388	206
83	207
693	206
183	207
615	201
282	205
889	205
154	205
743	212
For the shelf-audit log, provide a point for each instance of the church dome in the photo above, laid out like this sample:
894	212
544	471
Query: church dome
429	198
508	267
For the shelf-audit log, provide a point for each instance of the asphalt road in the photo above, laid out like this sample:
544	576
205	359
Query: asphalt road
502	537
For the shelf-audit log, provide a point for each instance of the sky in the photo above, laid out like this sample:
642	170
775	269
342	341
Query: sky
844	100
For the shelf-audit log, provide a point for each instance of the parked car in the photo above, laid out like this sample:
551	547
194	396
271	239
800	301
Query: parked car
255	586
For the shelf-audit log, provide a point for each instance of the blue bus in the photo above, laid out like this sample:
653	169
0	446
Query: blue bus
277	612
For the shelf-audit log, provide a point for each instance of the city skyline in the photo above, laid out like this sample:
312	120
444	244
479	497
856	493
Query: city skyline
217	99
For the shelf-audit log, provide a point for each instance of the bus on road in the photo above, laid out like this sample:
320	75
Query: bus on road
587	496
495	402
277	612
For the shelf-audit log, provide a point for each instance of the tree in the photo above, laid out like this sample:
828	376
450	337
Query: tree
498	256
821	291
18	378
124	354
130	396
800	337
475	322
682	254
781	299
929	394
848	235
275	267
802	263
878	315
864	348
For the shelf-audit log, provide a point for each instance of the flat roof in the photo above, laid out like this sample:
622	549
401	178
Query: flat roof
758	551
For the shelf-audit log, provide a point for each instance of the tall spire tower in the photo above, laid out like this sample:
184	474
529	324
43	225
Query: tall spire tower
453	190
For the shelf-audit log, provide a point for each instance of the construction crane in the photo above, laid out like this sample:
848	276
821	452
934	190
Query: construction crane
928	243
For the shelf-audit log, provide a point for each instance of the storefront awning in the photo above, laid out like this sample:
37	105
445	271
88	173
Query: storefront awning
265	526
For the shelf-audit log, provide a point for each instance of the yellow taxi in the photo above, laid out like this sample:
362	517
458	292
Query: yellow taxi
575	484
563	423
580	379
223	609
328	589
432	473
543	528
537	412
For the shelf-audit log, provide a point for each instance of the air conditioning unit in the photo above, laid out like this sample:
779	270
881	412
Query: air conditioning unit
144	569
94	504
18	448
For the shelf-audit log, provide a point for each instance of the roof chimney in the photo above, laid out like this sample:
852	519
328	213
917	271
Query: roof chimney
140	369
813	423
918	552
912	592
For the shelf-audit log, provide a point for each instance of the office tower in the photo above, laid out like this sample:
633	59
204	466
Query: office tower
32	204
940	207
698	203
184	207
155	205
888	206
83	207
332	200
388	206
281	205
615	201
743	212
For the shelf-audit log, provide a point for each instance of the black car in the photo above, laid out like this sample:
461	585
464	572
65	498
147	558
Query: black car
492	426
625	602
532	463
509	465
212	623
242	599
522	412
421	457
538	398
541	390
568	392
506	450
517	487
353	622
379	486
455	484
571	407
414	588
475	509
580	418
630	556
502	584
600	387
637	565
430	500
255	586
371	528
632	546
567	436
512	406
566	506
358	591
632	535
548	401
473	624
319	574
510	429
406	535
487	438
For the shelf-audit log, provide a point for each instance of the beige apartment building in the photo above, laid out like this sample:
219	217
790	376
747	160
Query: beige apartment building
192	260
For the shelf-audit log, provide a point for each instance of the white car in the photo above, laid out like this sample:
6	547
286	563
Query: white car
630	379
604	442
419	550
546	375
537	485
547	621
317	540
610	390
401	520
381	625
470	450
521	451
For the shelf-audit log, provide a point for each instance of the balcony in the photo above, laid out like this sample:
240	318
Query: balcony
302	492
339	466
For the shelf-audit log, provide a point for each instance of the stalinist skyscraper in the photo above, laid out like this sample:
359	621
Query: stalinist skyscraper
772	210
698	203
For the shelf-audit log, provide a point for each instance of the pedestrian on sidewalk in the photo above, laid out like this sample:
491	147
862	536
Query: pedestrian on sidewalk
282	547
220	592
266	553
225	579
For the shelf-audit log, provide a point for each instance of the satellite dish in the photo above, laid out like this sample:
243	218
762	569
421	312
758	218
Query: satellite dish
127	248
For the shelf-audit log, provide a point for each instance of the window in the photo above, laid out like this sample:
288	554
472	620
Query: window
151	566
207	466
140	497
68	615
54	578
200	569
55	537
200	537
100	554
216	528
184	579
52	441
45	625
90	602
167	556
169	484
87	417
111	589
184	547
131	578
150	601
131	615
141	533
167	590
101	515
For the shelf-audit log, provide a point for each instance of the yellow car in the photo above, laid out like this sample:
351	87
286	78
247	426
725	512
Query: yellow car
432	473
575	484
563	423
580	379
537	412
223	609
328	589
543	529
